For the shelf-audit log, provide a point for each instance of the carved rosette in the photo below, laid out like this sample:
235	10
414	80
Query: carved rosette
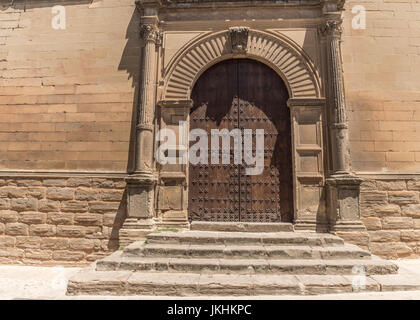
239	39
150	32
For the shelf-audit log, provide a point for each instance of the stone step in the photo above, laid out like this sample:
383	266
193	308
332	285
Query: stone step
162	250
90	282
245	238
241	226
117	262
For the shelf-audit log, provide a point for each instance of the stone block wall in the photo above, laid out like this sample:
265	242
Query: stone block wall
382	82
390	210
59	221
67	96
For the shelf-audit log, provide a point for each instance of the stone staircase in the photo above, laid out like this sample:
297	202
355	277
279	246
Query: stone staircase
226	259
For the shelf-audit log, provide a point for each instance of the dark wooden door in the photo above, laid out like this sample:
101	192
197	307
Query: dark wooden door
242	94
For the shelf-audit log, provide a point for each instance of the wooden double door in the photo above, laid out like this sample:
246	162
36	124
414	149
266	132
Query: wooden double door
242	94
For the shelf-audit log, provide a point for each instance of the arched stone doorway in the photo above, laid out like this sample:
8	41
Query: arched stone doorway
242	94
325	193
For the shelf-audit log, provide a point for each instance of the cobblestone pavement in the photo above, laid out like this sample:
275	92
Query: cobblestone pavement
27	282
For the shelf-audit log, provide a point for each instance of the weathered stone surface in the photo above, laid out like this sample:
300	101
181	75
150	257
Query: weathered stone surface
54	182
368	185
79	182
28	242
4	204
391	250
42	230
389	209
111	195
358	238
61	218
88	219
71	231
385	236
103	207
413	185
68	255
2	227
84	244
32	217
28	183
102	183
93	232
35	254
12	253
87	194
8	216
416	223
17	229
373	198
7	241
372	223
397	223
48	206
36	192
410	235
411	210
109	219
12	192
74	206
23	204
60	193
391	185
403	197
54	243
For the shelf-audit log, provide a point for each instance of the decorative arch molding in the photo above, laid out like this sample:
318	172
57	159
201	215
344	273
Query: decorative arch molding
275	50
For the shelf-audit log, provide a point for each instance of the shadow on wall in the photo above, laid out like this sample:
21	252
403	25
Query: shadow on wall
130	62
114	236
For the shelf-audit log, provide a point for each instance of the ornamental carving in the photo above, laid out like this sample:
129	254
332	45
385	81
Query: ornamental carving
149	32
331	28
239	39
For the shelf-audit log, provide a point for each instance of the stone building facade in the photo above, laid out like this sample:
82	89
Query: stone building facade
80	107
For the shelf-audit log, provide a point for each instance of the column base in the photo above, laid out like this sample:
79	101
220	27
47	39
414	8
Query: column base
135	229
344	209
174	219
140	208
310	225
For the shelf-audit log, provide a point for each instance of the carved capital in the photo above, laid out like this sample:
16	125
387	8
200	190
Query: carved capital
331	28
150	32
239	39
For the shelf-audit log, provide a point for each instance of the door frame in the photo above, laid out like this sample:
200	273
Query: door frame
307	108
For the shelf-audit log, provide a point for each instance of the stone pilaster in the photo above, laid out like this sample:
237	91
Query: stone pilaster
343	186
141	183
332	30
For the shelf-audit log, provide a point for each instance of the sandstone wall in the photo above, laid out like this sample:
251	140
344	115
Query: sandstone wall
66	96
382	83
59	221
390	209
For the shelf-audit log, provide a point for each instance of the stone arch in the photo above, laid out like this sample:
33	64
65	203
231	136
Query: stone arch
275	50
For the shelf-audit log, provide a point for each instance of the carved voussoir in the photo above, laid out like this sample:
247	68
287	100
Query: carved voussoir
239	39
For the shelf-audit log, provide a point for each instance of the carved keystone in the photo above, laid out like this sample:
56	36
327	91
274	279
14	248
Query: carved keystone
239	39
